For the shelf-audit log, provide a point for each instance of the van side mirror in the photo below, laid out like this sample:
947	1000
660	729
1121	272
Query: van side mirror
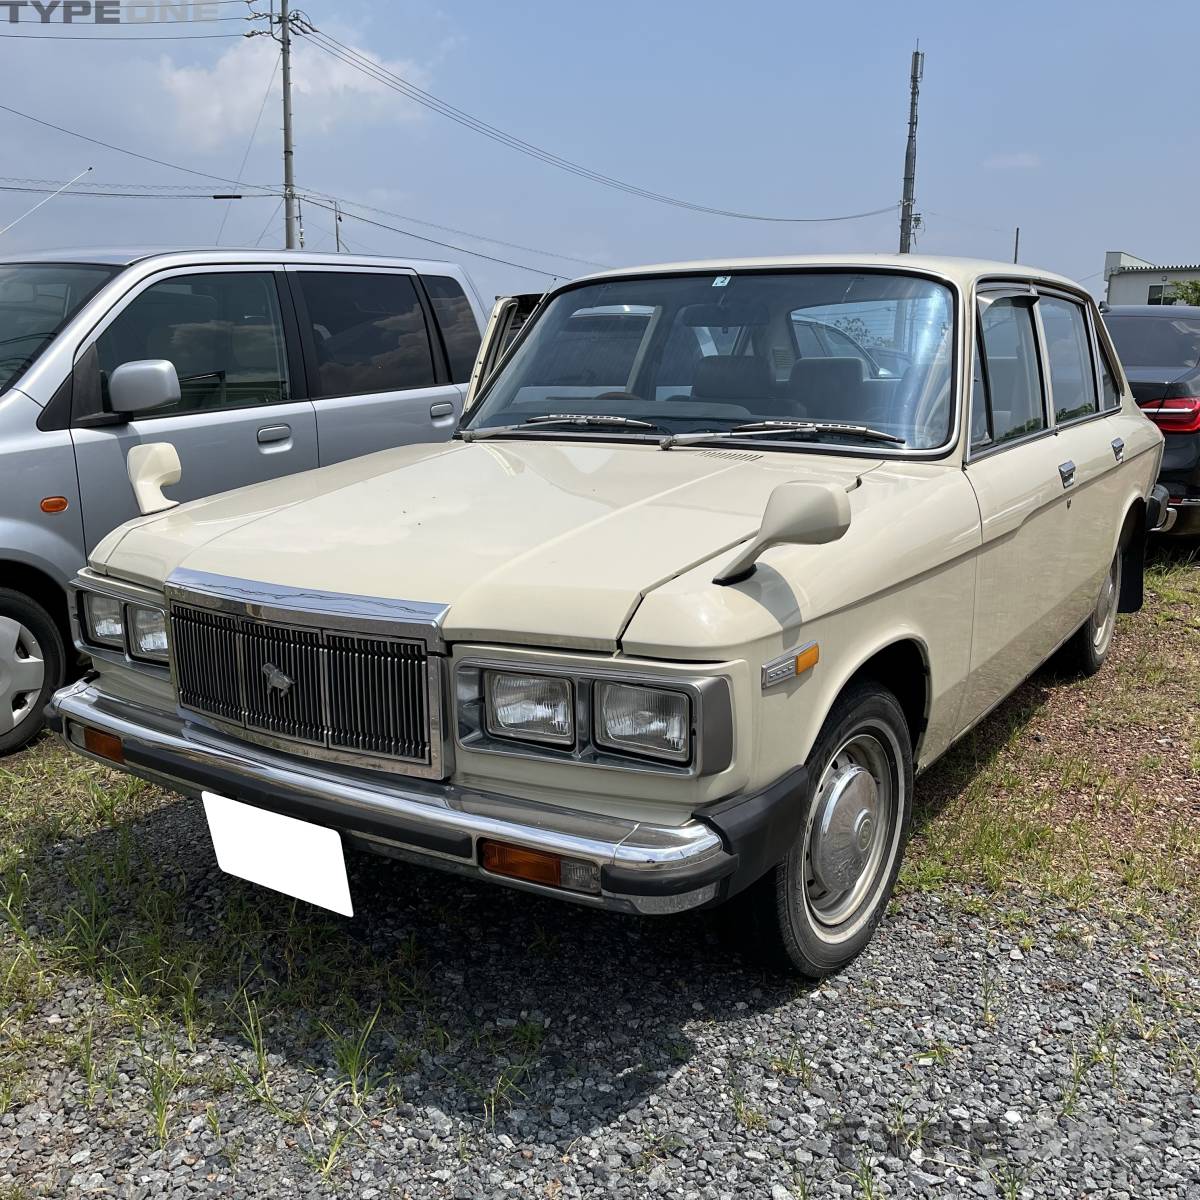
796	514
153	466
139	386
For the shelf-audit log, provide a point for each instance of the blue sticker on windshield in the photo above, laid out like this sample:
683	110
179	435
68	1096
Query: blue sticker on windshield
722	280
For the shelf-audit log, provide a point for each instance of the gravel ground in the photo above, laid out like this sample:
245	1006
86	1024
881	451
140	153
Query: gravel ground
528	1049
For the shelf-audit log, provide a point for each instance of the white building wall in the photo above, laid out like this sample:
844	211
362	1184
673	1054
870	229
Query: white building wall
1133	287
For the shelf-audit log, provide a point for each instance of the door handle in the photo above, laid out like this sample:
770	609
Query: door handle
1118	449
443	408
274	433
1066	472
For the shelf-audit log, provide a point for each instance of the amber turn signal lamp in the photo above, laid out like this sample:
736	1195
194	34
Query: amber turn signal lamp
104	745
517	862
808	658
55	504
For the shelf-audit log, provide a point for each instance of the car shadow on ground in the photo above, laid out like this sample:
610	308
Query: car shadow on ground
480	1001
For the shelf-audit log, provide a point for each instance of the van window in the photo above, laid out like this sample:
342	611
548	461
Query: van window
222	332
368	332
1014	379
1069	356
36	301
456	320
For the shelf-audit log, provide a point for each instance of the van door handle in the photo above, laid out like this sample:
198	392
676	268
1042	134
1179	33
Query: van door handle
443	408
1118	449
1066	472
274	433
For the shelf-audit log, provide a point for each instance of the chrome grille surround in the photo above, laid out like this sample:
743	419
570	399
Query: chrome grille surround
347	679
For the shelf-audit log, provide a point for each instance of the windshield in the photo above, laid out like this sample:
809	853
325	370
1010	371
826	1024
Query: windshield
693	353
1165	341
36	301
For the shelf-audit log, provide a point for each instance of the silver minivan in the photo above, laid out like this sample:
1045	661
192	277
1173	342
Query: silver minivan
253	364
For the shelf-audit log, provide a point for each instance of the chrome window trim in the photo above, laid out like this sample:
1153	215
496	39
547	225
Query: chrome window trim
712	718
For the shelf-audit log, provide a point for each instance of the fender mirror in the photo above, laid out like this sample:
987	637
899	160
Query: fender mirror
148	383
796	514
152	467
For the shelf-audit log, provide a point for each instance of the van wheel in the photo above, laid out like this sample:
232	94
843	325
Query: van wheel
32	667
816	910
1088	648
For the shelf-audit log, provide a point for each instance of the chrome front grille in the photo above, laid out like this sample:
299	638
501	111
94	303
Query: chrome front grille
348	693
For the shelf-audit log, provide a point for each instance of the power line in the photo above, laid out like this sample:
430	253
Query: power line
250	144
434	241
381	74
128	195
270	222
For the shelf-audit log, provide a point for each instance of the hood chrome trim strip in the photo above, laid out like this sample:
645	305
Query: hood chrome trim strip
415	619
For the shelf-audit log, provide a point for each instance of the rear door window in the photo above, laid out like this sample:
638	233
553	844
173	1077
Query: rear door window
1014	385
456	320
1069	357
368	333
222	332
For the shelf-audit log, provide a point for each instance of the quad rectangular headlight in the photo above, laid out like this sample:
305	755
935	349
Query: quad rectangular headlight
104	620
643	720
531	708
147	632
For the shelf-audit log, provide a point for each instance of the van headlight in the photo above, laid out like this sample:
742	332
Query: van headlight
642	720
104	620
147	632
531	708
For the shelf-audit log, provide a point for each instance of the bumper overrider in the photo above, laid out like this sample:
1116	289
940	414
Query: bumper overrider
640	867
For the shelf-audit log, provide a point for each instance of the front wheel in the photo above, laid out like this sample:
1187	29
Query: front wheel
32	666
817	909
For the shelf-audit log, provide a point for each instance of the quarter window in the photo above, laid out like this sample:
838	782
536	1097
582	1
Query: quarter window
1069	355
1110	394
222	332
368	332
456	319
1014	385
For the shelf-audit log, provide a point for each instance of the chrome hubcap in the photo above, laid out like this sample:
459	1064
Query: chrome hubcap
22	673
1104	618
853	835
844	828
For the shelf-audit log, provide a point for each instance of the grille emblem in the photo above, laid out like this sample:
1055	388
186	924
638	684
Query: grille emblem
277	681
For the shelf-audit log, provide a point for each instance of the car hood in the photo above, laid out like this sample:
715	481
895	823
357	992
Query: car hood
532	542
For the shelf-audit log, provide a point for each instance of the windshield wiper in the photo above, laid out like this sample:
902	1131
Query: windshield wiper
586	420
797	429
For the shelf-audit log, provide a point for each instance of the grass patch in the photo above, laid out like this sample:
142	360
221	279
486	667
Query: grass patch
1083	791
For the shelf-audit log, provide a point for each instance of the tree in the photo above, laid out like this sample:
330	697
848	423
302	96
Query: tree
1186	292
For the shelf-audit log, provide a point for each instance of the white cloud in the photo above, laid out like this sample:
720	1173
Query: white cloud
214	105
1020	161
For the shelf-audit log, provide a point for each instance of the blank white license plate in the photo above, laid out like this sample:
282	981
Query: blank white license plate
289	856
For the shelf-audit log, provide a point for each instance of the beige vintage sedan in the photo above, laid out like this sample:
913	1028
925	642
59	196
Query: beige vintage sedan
722	556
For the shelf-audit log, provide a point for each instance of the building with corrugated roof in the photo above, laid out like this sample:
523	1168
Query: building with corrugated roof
1133	280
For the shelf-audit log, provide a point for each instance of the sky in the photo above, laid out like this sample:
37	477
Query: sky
1067	119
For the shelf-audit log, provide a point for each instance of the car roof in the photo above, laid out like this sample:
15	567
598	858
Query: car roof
128	256
963	271
1152	310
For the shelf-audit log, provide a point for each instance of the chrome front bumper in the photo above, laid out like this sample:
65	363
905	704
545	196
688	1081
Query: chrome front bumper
642	868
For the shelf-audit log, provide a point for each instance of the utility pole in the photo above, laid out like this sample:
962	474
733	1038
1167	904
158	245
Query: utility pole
910	155
290	218
1017	245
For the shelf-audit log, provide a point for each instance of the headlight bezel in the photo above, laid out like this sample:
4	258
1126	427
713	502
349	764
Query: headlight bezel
710	715
127	649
